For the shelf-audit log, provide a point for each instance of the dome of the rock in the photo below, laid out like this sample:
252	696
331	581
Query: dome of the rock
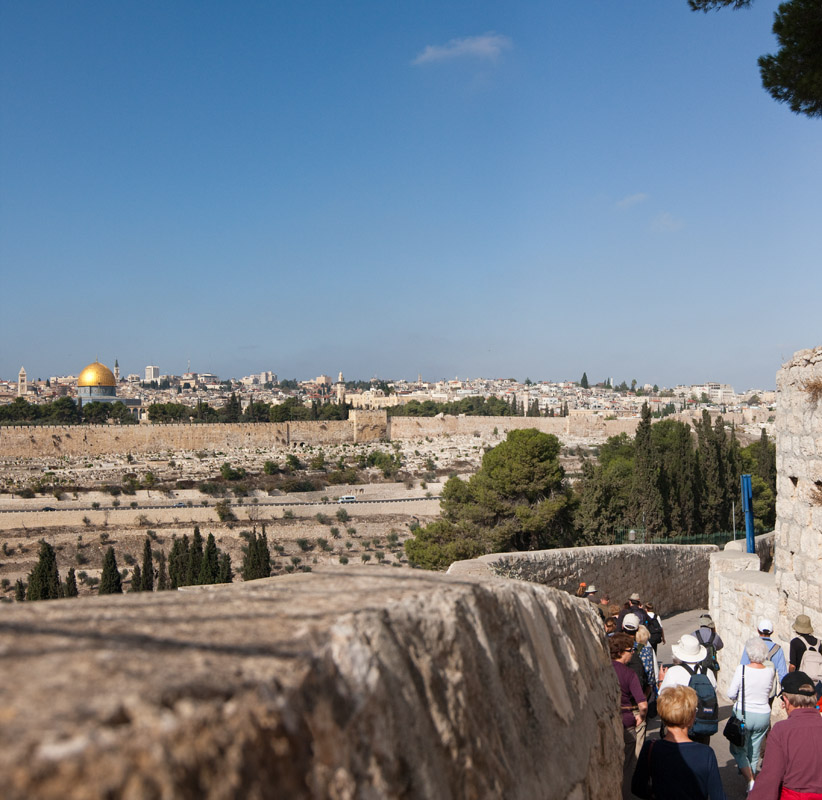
96	374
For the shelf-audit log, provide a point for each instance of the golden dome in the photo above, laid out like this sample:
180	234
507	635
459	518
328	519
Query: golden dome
96	374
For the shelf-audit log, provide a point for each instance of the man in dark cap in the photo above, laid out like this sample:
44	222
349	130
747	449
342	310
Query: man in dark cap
792	768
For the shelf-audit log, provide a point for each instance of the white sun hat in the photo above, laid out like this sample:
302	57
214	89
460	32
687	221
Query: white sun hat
689	650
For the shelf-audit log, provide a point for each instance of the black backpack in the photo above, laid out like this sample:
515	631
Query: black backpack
707	707
709	662
655	629
636	666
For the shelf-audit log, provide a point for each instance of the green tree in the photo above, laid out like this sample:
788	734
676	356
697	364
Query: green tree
225	573
19	591
178	560
147	578
257	559
584	380
44	579
110	580
794	74
232	410
195	558
71	584
516	501
646	505
209	567
136	579
96	413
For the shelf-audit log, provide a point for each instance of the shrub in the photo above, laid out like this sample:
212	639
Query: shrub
323	519
271	468
288	514
224	512
335	532
351	531
303	544
365	558
343	559
323	543
380	556
342	515
95	505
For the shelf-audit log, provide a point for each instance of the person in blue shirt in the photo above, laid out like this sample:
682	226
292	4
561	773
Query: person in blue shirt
765	629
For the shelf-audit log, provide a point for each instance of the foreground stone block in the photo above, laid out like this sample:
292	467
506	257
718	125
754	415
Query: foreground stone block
344	683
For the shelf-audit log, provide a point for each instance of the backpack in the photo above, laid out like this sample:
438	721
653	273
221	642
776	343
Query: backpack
768	662
655	629
811	663
709	662
707	708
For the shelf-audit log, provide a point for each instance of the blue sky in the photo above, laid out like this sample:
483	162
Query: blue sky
446	188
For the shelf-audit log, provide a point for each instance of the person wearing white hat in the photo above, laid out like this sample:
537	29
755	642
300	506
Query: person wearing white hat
688	651
776	655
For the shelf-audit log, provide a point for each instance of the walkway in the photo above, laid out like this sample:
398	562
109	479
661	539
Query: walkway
732	781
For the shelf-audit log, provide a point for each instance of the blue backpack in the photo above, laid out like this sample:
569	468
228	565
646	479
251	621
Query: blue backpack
707	708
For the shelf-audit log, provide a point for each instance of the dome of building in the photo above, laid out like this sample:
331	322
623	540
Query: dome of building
96	374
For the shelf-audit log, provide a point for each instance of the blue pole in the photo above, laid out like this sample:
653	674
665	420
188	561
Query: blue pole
747	507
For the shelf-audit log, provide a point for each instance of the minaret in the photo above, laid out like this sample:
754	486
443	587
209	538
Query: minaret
340	389
116	371
22	383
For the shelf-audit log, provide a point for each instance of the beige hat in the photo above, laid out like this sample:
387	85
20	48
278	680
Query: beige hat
630	623
689	650
802	624
591	589
634	596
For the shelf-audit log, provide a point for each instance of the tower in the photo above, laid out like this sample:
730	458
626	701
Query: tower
340	389
22	383
116	371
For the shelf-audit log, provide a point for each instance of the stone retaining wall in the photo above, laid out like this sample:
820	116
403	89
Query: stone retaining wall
351	683
673	577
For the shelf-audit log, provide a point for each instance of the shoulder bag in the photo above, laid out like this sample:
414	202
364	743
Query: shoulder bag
734	730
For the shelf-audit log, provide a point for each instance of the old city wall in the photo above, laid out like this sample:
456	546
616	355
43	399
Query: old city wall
673	577
54	440
399	683
740	591
575	425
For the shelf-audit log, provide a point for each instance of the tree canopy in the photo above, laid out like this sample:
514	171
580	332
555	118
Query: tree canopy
517	500
792	75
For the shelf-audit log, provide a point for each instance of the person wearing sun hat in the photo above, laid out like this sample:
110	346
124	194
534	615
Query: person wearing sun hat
792	767
687	651
803	641
776	655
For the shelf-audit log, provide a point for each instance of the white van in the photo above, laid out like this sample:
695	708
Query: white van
347	498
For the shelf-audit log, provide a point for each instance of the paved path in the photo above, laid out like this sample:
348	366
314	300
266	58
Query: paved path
732	781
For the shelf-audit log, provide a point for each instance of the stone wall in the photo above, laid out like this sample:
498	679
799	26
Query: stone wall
352	683
673	577
740	592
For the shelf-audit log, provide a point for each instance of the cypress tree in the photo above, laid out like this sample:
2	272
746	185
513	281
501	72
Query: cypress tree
251	559
136	579
19	591
584	381
195	558
178	563
110	580
163	583
225	575
71	584
646	503
147	578
44	580
209	567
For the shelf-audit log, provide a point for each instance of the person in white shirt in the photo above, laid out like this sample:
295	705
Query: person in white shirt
756	713
688	651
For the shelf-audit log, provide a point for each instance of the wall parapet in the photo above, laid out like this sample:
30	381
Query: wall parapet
674	577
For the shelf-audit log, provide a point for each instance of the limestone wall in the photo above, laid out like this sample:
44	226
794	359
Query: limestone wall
397	684
798	557
673	577
584	425
740	592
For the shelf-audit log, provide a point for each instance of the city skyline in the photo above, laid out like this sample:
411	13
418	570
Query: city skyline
534	190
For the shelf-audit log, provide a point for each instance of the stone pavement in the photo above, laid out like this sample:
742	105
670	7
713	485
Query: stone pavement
732	781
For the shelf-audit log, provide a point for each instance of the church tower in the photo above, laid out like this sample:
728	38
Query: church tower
22	383
116	371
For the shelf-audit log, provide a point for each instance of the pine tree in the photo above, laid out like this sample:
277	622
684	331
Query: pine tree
195	558
19	590
147	578
257	560
178	563
646	506
163	583
110	580
209	568
584	380
136	579
44	580
71	584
